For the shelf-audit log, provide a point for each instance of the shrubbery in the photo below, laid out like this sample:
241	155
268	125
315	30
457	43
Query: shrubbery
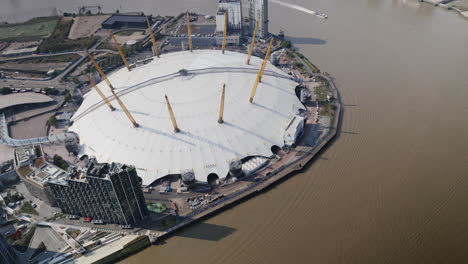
60	162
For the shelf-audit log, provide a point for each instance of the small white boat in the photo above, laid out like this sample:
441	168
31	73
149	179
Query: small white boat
322	16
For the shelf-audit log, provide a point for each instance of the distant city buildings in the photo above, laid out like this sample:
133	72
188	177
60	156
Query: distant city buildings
204	33
234	13
108	192
258	12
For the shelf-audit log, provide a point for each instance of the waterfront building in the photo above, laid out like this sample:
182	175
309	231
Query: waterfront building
108	192
234	11
7	254
258	12
220	21
124	21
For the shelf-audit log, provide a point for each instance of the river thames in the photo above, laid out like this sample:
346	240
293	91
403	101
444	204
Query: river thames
393	187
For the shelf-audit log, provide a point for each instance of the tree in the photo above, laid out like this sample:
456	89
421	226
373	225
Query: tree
51	91
75	79
298	64
67	97
60	162
5	90
287	44
52	121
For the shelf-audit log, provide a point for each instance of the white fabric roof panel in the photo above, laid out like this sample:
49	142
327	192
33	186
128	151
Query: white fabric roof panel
203	145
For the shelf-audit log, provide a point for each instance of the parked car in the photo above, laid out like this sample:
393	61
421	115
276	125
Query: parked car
126	227
73	217
97	222
88	219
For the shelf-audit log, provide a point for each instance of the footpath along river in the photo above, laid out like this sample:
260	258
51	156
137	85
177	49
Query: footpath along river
393	187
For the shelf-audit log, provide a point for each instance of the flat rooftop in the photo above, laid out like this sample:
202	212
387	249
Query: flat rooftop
198	29
125	18
23	98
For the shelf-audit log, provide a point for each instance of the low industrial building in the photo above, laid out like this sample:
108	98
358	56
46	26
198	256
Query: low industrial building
24	101
125	21
108	192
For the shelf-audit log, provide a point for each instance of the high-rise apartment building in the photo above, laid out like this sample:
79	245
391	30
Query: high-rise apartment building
258	11
108	192
234	12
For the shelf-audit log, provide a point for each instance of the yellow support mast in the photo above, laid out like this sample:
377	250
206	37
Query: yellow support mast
171	113
153	39
260	72
265	61
225	31
104	98
96	65
122	55
252	44
221	106
254	88
103	75
189	31
124	108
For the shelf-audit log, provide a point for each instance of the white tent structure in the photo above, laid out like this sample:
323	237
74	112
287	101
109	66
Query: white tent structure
193	82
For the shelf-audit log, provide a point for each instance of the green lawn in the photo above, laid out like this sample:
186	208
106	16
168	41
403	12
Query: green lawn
128	32
58	41
34	29
321	92
307	61
28	209
327	109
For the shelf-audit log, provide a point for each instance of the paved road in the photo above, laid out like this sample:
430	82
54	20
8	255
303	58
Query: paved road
56	81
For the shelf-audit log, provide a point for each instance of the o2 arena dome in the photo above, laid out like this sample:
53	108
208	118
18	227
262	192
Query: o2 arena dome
193	83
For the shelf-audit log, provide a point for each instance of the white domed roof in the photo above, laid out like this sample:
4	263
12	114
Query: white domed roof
203	145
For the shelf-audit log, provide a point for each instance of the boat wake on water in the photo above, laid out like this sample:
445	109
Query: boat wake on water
299	8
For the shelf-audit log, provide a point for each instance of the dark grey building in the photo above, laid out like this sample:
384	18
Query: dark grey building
125	21
7	255
109	192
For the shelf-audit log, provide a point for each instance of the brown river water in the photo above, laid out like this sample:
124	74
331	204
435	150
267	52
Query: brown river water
393	187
